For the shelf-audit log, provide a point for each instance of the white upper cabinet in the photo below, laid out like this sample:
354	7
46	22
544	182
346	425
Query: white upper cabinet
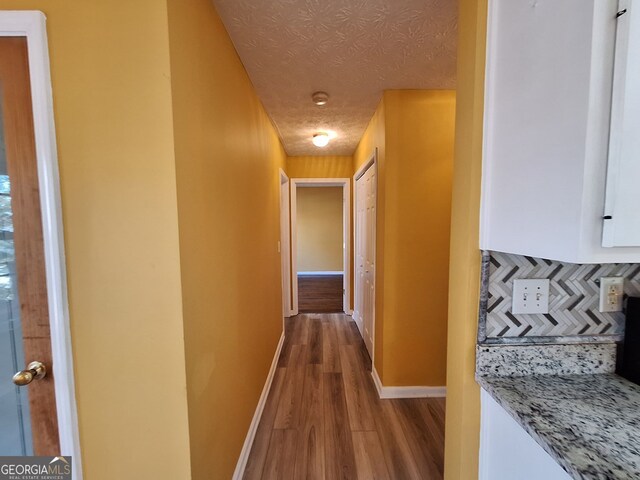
548	105
623	175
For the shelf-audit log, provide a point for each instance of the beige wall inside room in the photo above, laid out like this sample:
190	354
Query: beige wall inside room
414	133
114	129
320	227
228	157
463	394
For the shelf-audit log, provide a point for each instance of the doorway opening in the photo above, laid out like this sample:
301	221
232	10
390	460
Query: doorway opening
320	245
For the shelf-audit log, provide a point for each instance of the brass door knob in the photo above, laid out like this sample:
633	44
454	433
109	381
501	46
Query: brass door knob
34	371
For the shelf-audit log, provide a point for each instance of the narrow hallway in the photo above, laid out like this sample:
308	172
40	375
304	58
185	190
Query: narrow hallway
323	417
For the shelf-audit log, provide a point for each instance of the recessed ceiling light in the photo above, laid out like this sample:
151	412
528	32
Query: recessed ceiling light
320	139
320	98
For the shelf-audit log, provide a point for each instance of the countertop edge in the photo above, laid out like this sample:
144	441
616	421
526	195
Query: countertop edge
485	383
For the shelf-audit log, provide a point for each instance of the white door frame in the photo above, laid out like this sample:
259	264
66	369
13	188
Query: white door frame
32	25
371	163
345	183
285	243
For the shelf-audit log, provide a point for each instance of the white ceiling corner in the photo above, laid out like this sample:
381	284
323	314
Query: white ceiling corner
352	49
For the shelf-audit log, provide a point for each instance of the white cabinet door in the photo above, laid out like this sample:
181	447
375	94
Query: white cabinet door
548	105
623	176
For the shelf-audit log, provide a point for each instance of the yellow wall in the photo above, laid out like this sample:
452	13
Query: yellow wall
320	167
227	160
320	229
413	131
114	112
463	398
112	105
419	165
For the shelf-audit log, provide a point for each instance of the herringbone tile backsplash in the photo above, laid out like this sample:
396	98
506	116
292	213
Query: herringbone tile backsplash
573	300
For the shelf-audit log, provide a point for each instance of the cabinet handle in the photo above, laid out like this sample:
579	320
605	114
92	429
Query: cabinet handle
607	217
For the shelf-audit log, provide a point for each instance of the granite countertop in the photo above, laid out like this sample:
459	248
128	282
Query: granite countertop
590	424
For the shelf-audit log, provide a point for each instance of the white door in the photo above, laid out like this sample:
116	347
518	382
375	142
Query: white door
365	255
360	202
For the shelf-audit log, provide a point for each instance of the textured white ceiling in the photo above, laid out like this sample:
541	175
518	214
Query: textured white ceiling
352	49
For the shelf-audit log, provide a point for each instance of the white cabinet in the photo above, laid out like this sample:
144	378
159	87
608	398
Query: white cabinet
508	452
623	175
548	100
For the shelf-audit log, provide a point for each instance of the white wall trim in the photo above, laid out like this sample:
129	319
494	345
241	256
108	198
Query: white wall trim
253	427
406	392
487	118
285	243
345	183
324	272
365	166
32	25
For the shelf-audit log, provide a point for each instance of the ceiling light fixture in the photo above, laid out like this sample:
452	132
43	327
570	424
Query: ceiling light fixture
320	139
320	98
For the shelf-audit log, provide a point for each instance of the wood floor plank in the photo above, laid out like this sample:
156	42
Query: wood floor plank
317	417
395	446
370	462
300	330
436	407
330	351
339	455
285	352
427	452
360	412
433	420
342	329
315	341
288	413
356	340
280	461
320	293
310	458
255	463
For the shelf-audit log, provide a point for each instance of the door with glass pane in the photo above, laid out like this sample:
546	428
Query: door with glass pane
28	420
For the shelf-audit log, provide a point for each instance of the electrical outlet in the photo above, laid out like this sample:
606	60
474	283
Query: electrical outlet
611	294
530	295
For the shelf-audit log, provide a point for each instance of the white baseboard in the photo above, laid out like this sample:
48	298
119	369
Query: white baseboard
251	434
406	392
320	273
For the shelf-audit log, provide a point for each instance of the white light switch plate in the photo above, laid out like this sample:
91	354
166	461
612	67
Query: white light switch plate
611	294
530	295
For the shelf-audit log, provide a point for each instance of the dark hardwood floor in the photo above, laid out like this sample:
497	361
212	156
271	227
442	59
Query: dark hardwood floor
323	418
320	293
